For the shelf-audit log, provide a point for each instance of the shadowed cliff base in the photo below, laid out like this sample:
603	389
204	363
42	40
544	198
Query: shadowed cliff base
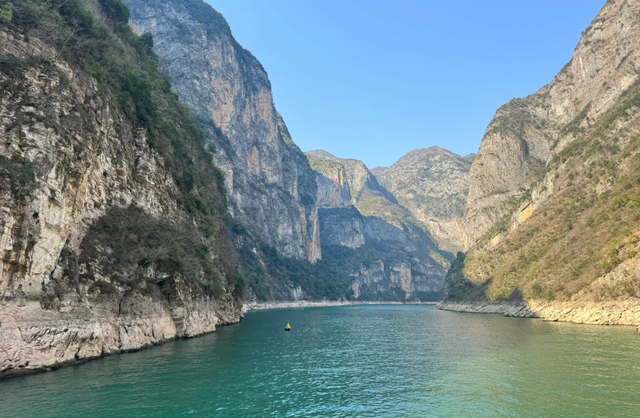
384	251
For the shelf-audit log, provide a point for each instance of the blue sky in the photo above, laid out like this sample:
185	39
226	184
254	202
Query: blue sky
373	80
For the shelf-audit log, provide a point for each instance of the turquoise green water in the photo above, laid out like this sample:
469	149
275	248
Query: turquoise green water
373	361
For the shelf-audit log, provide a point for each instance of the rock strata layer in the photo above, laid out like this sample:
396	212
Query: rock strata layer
106	244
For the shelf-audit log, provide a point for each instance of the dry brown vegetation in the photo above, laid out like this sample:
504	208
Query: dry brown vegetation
583	241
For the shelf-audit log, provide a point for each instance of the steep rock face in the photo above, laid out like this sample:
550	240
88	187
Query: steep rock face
554	194
354	179
383	261
433	184
527	133
271	188
390	256
343	227
98	245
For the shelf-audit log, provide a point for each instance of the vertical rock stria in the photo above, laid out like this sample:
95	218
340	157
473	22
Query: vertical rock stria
113	230
271	188
366	232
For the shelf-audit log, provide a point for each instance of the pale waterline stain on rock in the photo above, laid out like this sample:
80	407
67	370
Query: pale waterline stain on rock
87	157
589	313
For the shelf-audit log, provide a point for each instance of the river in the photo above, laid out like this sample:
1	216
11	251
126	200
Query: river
357	361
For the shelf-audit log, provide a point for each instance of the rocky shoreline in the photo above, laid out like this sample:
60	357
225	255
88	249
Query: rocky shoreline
35	340
263	306
592	313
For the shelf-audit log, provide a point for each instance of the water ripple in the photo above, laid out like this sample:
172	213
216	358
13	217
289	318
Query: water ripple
374	361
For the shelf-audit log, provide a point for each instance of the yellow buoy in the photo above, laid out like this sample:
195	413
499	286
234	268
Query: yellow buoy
288	327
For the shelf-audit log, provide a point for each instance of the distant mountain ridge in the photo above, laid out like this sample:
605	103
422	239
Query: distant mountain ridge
433	184
392	252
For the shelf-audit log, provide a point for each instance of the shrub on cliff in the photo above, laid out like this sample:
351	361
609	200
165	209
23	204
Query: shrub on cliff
19	175
94	38
126	244
6	12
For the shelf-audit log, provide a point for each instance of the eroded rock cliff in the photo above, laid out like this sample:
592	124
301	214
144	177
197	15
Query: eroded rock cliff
554	195
113	218
527	133
364	230
271	188
433	184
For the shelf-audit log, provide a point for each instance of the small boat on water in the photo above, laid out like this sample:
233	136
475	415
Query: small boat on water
288	327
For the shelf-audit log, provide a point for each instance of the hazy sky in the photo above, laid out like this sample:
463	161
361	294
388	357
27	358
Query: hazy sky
373	80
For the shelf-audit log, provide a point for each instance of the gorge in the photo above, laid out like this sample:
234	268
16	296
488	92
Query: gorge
149	188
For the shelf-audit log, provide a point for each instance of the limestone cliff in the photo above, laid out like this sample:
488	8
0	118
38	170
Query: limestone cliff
554	196
113	232
527	133
271	188
433	184
365	230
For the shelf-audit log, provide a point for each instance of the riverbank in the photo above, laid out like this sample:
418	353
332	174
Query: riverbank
34	339
592	313
263	306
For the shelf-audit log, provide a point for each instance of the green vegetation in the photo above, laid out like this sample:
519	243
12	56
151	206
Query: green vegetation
20	177
620	201
326	167
116	11
586	229
6	12
131	248
375	203
94	38
330	278
326	279
573	127
126	67
458	287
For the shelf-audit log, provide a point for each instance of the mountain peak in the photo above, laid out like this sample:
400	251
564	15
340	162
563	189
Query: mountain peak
427	156
320	153
433	184
378	171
